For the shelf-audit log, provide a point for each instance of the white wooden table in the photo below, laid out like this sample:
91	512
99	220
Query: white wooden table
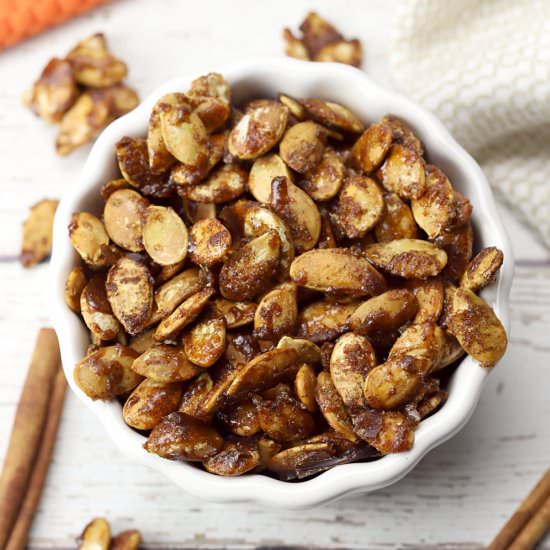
459	495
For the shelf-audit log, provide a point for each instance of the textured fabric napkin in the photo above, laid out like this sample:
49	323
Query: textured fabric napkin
483	67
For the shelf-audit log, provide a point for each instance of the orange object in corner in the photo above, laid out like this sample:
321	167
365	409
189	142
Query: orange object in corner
20	19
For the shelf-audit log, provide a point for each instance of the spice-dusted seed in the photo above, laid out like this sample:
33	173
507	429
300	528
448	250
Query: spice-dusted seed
236	458
133	162
304	387
291	462
53	94
213	112
408	258
226	183
318	32
106	373
172	293
449	291
251	268
403	134
395	382
130	292
205	343
196	211
184	176
458	247
181	437
425	341
163	363
143	341
431	403
257	220
241	348
123	218
184	134
332	407
298	211
37	232
183	315
333	115
211	85
429	294
160	159
397	221
96	310
302	146
195	393
264	371
236	314
93	65
283	418
352	358
223	375
88	237
96	535
434	211
359	208
482	269
326	237
167	272
74	285
240	418
370	150
210	242
277	313
463	209
337	270
307	352
452	351
126	540
396	433
295	47
259	130
385	312
403	173
477	328
324	181
164	235
294	106
92	111
262	173
109	187
323	321
150	402
349	52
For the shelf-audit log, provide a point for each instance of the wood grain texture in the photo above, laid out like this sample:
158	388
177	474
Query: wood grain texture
461	493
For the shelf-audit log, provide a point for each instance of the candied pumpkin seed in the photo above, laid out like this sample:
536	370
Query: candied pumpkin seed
205	343
37	232
130	293
165	236
482	269
408	258
164	363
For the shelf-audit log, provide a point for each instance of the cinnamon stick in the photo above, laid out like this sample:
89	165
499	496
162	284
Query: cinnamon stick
19	534
522	516
534	530
27	429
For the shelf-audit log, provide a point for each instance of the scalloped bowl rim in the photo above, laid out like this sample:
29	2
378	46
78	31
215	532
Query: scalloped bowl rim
467	381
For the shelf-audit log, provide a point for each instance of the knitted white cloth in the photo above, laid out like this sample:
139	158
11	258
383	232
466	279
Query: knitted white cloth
483	67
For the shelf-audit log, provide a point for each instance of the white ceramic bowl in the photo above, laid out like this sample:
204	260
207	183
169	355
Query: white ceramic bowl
354	89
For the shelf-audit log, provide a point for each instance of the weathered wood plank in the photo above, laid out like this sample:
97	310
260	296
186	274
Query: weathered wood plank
459	495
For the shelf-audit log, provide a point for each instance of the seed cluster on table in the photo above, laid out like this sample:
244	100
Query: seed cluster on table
276	287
